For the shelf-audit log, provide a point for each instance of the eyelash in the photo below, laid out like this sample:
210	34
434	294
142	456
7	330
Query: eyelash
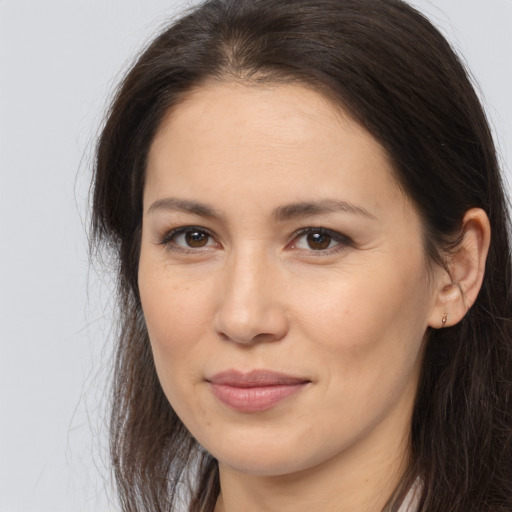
341	241
169	240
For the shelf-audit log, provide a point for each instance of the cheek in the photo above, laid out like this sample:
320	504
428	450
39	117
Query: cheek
368	324
367	339
176	316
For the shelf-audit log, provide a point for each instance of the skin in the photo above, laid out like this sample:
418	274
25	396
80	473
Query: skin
254	292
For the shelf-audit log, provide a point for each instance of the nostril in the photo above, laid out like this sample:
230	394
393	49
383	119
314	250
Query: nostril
249	340
264	329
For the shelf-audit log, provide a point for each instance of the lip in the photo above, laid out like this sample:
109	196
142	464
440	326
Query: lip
255	391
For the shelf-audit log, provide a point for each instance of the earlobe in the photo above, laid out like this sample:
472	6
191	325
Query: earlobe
459	284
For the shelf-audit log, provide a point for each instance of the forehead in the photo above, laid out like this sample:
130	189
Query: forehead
247	108
263	137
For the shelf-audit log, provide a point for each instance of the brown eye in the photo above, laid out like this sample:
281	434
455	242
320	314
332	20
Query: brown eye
196	238
189	237
318	241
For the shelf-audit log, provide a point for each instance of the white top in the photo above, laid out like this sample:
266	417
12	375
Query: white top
410	503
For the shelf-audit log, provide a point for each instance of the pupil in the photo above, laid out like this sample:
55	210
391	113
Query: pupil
318	241
196	239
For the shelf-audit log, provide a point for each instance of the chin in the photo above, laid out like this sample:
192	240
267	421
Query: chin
267	457
262	467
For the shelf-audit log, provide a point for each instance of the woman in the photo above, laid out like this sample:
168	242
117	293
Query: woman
314	265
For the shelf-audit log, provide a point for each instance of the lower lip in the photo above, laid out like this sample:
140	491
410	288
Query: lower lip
255	399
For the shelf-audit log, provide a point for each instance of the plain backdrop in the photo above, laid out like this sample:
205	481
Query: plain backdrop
59	61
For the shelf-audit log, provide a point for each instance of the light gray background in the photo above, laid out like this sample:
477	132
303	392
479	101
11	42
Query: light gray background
59	60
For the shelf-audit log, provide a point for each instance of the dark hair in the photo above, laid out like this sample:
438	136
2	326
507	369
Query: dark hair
386	65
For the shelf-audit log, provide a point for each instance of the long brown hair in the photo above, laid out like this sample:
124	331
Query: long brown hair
386	65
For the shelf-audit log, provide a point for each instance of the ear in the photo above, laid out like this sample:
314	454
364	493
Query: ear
458	285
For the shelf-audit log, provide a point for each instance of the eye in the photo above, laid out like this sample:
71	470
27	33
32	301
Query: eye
188	237
319	239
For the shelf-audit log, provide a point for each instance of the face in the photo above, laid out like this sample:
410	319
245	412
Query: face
283	279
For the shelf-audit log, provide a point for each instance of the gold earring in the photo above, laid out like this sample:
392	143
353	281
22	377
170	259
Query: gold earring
443	321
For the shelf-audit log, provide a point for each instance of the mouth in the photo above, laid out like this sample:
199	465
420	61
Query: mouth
255	391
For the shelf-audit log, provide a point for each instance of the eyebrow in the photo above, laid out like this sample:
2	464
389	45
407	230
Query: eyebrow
310	208
282	213
184	205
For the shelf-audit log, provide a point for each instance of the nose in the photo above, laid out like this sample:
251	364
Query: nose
249	307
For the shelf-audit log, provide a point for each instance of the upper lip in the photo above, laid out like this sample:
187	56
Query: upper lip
255	378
